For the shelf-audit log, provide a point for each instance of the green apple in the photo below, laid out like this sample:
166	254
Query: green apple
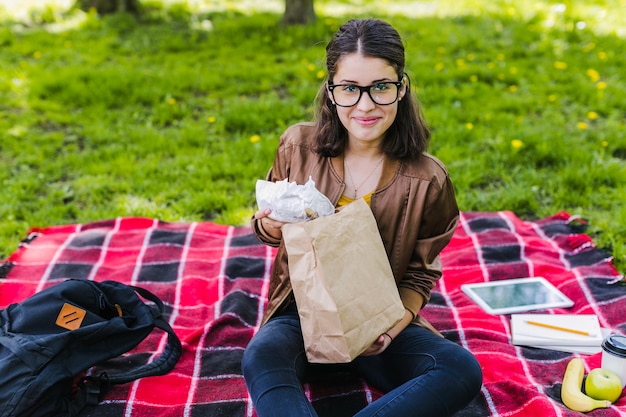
603	384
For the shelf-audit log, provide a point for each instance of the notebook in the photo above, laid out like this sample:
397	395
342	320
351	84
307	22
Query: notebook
584	350
556	330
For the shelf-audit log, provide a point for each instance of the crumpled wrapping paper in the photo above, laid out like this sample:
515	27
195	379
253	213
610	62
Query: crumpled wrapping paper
292	203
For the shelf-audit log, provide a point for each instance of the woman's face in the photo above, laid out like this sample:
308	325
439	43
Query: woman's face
366	121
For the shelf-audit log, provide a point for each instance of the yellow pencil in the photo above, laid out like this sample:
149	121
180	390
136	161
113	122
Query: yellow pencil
563	329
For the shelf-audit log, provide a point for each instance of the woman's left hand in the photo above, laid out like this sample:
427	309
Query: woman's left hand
384	340
378	346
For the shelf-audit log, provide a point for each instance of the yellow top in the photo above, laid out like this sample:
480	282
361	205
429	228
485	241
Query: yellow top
344	201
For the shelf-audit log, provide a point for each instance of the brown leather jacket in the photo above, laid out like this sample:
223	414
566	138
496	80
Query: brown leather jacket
414	205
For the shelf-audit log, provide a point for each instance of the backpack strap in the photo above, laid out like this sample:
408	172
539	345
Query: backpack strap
93	388
149	296
170	355
161	365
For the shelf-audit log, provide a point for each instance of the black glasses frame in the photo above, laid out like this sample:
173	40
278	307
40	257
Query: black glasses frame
367	88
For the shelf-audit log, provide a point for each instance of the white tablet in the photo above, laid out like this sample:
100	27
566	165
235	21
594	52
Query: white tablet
516	295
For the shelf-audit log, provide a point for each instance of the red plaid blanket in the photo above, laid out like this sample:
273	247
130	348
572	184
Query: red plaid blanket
213	280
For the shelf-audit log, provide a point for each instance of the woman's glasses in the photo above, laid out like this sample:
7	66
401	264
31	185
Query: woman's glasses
347	95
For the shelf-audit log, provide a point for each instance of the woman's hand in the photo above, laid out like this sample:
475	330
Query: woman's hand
270	226
384	340
379	345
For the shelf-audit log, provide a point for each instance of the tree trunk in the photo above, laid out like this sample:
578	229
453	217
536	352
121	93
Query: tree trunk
298	12
109	6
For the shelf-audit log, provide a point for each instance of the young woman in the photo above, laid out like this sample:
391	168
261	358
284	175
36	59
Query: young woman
368	142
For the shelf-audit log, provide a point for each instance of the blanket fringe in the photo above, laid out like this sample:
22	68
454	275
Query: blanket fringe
618	279
578	242
576	222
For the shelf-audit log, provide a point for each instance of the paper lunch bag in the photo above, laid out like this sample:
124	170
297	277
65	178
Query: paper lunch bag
342	282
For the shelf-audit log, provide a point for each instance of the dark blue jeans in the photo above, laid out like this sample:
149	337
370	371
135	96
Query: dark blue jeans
421	374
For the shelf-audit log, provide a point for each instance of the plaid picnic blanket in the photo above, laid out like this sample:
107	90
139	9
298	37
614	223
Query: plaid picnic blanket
214	278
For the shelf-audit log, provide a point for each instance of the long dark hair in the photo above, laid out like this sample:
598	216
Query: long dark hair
408	136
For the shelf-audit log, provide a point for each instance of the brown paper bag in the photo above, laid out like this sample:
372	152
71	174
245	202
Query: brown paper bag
342	282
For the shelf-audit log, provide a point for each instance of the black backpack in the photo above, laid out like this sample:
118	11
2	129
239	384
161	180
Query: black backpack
50	340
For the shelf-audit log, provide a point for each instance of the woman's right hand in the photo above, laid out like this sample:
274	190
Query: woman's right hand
271	226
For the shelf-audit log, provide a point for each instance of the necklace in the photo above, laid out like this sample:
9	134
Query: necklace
356	189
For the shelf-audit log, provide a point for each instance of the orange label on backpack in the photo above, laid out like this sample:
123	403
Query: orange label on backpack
70	317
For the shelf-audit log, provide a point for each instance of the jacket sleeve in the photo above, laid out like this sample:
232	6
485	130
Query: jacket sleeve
278	172
438	223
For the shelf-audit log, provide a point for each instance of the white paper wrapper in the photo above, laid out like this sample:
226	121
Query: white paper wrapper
291	202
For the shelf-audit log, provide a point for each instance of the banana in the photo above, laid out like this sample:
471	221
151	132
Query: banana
571	393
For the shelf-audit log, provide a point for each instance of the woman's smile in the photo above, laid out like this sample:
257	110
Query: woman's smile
367	121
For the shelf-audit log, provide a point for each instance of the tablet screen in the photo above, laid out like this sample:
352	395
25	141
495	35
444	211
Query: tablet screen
516	295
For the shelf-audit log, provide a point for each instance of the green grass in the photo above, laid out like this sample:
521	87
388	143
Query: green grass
163	118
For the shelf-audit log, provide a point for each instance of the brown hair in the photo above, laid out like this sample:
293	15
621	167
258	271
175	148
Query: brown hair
408	136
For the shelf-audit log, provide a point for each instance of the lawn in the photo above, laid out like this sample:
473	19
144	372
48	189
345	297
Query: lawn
176	114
